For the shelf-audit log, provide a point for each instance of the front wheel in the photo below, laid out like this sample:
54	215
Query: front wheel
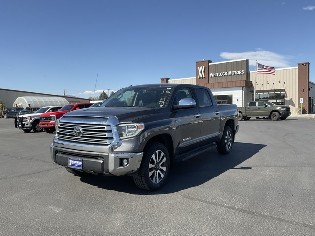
49	130
275	116
154	169
240	116
36	127
225	144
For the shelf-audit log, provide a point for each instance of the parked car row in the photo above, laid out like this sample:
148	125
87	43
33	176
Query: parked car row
11	112
45	117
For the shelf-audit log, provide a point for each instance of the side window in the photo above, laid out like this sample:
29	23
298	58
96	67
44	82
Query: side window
55	108
182	93
204	98
261	104
252	104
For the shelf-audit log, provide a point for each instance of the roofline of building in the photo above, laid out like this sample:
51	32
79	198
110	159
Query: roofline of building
193	77
213	63
47	94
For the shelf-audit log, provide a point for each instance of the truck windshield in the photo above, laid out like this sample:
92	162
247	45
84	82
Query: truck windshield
153	97
42	110
66	108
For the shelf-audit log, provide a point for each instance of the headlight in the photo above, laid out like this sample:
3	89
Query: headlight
53	117
30	118
57	126
129	130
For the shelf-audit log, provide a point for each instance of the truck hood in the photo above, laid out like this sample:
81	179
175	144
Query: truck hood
55	113
31	114
122	113
283	106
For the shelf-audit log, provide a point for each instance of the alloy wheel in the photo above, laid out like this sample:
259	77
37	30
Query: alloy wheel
157	166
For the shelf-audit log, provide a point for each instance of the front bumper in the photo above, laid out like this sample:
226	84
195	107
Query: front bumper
98	162
285	113
25	125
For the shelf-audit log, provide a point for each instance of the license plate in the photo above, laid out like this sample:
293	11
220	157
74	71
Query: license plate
75	163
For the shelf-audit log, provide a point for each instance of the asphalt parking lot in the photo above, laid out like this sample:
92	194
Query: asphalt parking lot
266	186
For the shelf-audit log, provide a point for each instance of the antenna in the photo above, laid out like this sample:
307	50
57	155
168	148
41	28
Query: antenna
95	83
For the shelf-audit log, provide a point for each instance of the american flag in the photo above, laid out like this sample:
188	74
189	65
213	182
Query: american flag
265	69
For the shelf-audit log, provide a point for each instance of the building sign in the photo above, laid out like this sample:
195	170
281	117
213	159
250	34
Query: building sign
201	72
227	73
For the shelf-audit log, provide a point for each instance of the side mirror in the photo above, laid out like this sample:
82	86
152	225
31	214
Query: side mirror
185	103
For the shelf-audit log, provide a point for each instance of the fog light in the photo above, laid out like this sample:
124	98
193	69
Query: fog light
124	162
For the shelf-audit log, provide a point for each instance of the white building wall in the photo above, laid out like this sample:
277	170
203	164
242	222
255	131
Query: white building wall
285	78
237	94
190	80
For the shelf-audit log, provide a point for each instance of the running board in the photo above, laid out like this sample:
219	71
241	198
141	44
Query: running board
194	152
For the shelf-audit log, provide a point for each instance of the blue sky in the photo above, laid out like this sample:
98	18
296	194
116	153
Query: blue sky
82	46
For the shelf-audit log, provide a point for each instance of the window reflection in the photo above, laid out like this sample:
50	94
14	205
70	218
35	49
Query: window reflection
275	96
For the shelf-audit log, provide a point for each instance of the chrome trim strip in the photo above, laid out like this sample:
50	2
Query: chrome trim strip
199	139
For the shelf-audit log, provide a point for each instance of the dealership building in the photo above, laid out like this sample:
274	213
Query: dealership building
232	82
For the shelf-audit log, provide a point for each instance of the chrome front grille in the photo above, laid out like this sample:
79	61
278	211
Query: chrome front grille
47	118
95	134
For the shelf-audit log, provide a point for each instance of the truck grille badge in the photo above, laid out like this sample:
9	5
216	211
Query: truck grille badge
77	131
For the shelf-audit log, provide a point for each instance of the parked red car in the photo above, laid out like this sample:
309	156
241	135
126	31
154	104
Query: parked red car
48	120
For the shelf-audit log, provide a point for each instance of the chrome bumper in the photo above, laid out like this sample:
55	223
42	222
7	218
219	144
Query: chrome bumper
100	162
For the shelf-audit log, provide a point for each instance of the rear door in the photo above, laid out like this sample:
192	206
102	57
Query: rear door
209	116
251	109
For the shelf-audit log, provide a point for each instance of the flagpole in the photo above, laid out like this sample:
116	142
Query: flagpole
255	81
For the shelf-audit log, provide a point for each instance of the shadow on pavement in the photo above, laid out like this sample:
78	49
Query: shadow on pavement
186	174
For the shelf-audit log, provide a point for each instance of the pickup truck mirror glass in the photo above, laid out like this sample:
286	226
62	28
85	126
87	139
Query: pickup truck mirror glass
185	103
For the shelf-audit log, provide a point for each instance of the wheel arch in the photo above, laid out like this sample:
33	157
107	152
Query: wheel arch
274	111
231	124
165	139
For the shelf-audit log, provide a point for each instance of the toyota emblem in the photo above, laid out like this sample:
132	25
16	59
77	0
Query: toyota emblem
77	131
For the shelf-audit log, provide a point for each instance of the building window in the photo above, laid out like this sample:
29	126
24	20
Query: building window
275	96
252	104
224	99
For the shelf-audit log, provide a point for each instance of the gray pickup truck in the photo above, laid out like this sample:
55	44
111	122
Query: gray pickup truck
263	109
140	130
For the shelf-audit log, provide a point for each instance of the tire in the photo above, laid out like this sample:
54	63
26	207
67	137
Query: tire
224	146
49	130
27	130
240	116
274	116
154	169
76	172
35	127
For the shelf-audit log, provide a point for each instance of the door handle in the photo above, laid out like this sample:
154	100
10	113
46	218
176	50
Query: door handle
197	116
217	113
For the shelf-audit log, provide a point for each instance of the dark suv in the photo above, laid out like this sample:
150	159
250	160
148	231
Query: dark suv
12	112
